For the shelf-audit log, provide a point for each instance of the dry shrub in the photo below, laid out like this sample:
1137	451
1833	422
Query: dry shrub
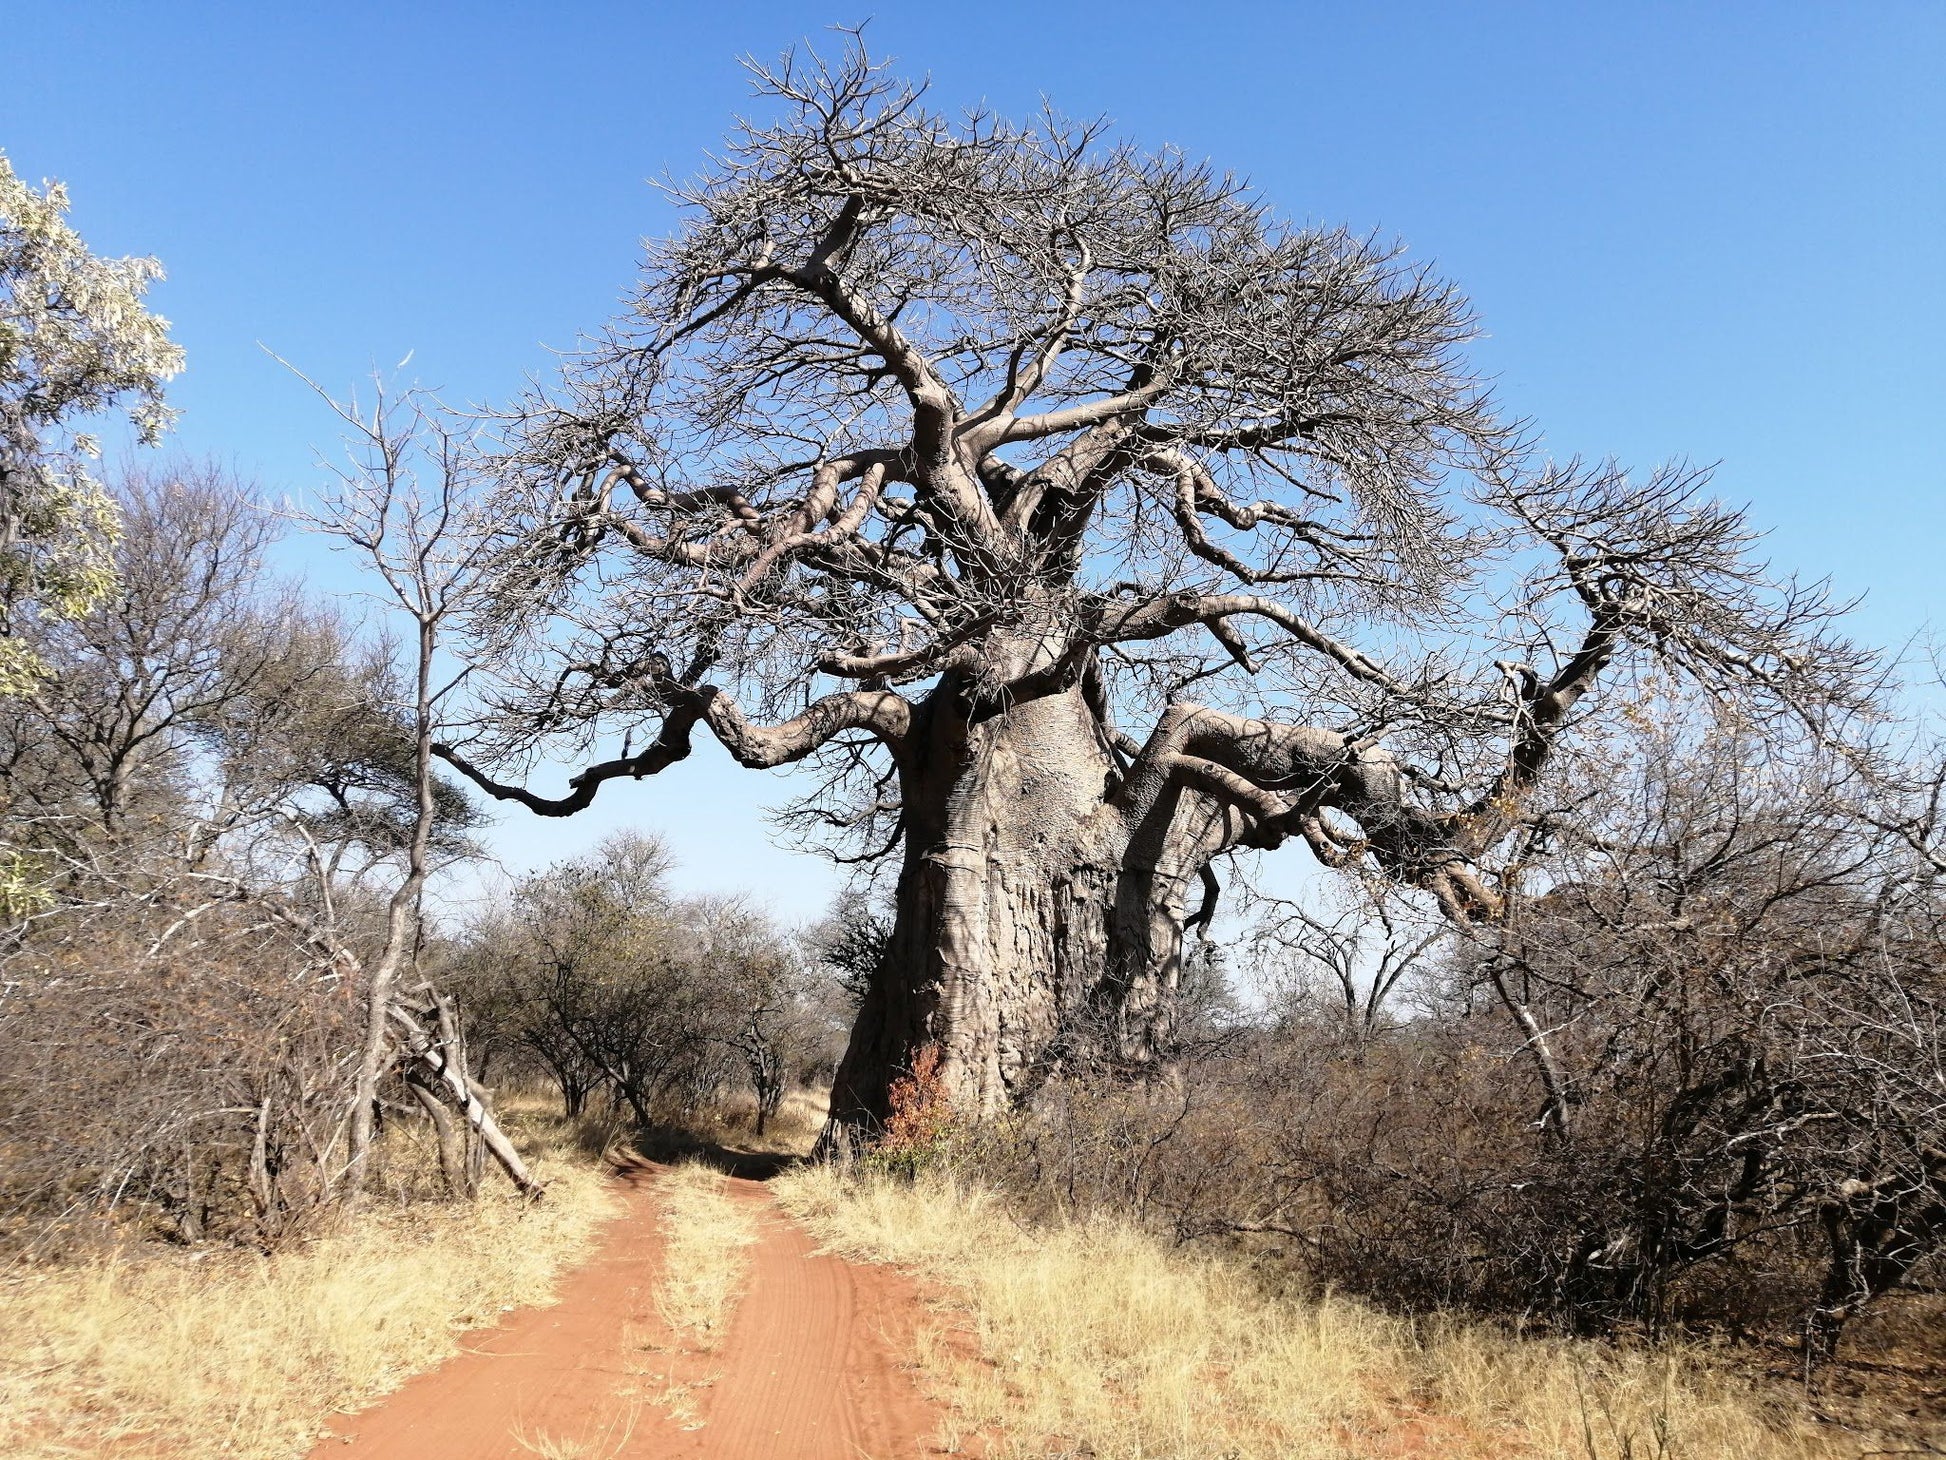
596	976
1404	1169
920	1126
1754	1142
172	1068
222	1352
1191	1159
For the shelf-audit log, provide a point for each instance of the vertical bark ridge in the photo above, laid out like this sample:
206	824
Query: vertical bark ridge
1036	924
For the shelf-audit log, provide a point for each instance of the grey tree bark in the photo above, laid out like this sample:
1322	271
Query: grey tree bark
402	502
1036	924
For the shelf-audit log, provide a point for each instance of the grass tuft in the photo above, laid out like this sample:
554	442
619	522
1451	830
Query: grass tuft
1096	1338
705	1230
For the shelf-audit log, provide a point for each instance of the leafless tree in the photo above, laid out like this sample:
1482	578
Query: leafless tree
1358	960
1079	522
766	989
173	1036
608	981
848	943
402	503
212	797
1695	1074
613	982
195	641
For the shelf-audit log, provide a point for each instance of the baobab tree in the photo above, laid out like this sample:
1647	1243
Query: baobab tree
1079	523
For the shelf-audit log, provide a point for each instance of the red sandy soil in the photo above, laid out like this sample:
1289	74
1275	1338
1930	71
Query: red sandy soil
813	1366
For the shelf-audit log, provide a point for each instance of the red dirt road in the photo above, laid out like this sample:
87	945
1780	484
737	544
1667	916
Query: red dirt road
812	1367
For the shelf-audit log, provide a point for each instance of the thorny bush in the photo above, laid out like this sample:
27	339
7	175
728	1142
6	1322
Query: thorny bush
178	1071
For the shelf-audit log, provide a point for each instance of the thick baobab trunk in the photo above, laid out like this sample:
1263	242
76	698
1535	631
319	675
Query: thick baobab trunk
1034	929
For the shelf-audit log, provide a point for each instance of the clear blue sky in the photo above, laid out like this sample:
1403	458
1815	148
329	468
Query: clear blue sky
1707	230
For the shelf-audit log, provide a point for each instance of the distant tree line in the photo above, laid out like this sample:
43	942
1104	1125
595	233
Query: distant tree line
597	979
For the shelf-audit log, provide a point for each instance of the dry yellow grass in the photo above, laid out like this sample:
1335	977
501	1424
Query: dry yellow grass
225	1353
1097	1339
705	1231
793	1130
729	1129
610	1438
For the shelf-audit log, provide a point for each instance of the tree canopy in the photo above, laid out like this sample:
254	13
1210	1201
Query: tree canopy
912	396
76	341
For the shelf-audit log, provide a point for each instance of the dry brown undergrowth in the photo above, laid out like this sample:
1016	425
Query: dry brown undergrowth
219	1352
1097	1339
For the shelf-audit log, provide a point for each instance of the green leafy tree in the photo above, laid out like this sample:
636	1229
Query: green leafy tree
76	342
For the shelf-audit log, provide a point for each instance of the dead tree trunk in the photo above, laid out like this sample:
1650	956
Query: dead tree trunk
431	1060
401	926
453	1172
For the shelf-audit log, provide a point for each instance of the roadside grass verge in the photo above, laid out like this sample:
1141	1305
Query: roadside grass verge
219	1352
1096	1338
791	1131
705	1231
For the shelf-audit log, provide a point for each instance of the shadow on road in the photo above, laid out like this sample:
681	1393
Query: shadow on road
668	1144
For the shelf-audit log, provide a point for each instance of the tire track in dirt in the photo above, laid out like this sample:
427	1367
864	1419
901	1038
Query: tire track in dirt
814	1353
812	1366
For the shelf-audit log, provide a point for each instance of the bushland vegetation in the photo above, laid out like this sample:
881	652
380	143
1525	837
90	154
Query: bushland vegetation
215	1349
1619	1016
594	978
1095	1335
1689	1090
219	984
213	805
207	795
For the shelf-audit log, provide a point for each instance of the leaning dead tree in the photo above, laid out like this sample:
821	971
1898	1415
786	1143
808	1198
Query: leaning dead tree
401	505
1080	523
